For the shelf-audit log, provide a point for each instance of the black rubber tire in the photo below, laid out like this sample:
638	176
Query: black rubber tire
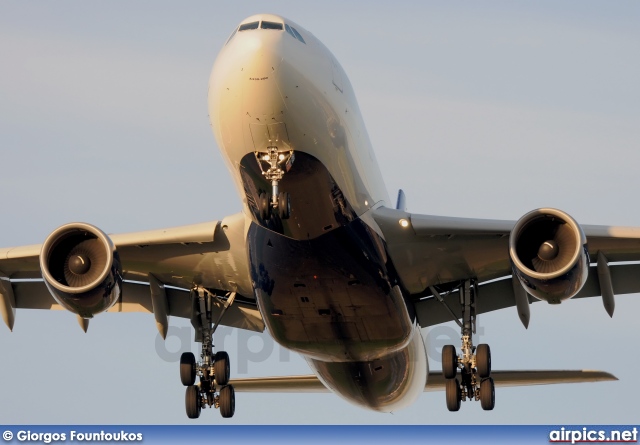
454	396
449	362
187	369
483	360
264	205
284	205
221	368
192	402
227	401
487	394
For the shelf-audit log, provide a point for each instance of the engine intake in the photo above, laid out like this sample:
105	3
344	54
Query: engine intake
81	269
549	255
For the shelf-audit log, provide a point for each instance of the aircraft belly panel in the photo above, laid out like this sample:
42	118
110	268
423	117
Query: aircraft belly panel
332	298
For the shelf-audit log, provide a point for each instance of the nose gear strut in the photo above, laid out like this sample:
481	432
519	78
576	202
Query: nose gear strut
271	165
213	370
474	363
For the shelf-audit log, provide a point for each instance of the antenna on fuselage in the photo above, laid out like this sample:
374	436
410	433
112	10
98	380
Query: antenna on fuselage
402	201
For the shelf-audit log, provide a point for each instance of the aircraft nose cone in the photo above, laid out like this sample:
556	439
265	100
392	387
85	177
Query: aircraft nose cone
260	52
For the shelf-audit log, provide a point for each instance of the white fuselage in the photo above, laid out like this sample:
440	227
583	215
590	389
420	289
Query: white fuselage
269	88
265	77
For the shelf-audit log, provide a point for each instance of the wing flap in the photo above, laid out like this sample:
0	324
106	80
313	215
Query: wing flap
136	297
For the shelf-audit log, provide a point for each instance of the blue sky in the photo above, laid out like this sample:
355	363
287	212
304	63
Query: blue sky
479	109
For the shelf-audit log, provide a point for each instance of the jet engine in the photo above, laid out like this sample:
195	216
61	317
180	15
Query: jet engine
81	269
549	255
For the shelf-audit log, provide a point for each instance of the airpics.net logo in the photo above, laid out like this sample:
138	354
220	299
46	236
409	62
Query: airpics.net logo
586	435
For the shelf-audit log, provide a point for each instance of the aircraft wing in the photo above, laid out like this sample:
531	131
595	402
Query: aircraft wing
435	250
435	381
158	262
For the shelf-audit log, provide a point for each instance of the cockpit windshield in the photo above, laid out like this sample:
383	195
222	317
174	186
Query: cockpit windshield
264	24
271	25
247	26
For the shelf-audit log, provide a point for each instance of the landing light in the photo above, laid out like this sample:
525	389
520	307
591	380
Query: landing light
281	157
404	223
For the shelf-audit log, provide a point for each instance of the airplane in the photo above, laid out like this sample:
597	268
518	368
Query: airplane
320	256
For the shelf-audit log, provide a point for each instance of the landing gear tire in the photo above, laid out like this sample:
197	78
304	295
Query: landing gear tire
284	206
221	368
264	204
454	396
449	362
187	369
483	360
487	394
227	401
192	402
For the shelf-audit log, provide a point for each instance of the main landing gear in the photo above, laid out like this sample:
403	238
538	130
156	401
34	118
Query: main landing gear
474	363
213	371
276	202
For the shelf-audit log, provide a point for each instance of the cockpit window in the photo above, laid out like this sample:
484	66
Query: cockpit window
288	28
271	25
250	25
298	36
294	33
231	37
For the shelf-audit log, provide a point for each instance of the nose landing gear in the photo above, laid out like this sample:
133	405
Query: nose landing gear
271	163
266	206
213	371
474	363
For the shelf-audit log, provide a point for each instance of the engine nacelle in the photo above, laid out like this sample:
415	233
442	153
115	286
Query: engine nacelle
549	255
81	269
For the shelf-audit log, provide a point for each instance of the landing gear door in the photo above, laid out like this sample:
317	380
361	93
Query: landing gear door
270	135
279	136
260	136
